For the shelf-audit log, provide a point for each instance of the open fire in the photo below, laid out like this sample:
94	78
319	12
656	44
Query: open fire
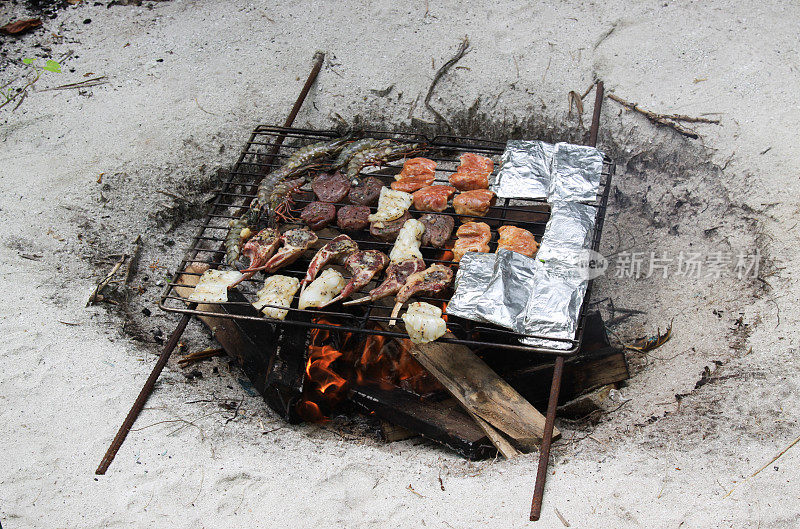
338	361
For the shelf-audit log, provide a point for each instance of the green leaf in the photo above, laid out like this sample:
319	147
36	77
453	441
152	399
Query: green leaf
27	61
52	66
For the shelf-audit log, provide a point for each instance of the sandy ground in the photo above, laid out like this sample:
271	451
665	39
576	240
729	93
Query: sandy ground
187	82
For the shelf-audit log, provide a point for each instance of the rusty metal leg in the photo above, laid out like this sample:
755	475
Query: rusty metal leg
547	438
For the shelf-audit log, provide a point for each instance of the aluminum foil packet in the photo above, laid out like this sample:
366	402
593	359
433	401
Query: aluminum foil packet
568	234
526	170
474	274
553	306
576	173
506	296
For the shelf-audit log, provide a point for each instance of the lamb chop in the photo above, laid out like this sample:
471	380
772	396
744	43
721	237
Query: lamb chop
337	250
258	250
295	242
261	247
432	280
364	265
396	276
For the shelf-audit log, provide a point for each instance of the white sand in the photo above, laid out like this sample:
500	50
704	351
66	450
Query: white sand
228	66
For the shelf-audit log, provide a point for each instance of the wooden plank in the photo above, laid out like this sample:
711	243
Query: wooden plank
581	375
481	391
441	421
501	443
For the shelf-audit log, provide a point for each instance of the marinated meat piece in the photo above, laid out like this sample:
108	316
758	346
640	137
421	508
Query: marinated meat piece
317	215
366	192
261	247
396	275
432	280
473	173
330	187
433	198
295	242
408	241
475	203
258	249
412	183
364	265
352	218
517	240
416	174
472	237
391	205
387	231
335	251
438	229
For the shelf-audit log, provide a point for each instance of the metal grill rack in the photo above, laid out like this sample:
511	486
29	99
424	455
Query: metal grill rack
267	149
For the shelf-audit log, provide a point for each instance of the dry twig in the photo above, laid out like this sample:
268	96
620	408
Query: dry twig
668	120
199	356
463	49
765	466
83	84
95	296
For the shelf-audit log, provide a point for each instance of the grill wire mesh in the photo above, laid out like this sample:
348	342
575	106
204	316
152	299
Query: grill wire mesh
369	318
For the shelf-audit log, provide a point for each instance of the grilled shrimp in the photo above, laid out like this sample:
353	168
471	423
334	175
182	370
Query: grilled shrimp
269	193
355	147
378	155
241	229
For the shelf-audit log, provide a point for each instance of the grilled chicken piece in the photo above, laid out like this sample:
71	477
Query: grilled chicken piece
416	174
364	265
432	280
337	250
396	276
408	241
322	290
295	242
433	198
475	203
258	250
391	206
517	240
473	173
472	237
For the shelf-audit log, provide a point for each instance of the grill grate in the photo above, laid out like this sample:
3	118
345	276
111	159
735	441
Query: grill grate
369	318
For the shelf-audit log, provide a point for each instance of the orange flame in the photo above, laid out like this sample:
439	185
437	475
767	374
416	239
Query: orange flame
375	360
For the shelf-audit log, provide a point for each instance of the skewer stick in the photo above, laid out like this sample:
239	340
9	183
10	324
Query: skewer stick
356	301
140	401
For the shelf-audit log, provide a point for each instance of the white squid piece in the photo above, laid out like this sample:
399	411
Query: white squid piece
322	290
213	286
391	205
277	291
408	242
424	322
